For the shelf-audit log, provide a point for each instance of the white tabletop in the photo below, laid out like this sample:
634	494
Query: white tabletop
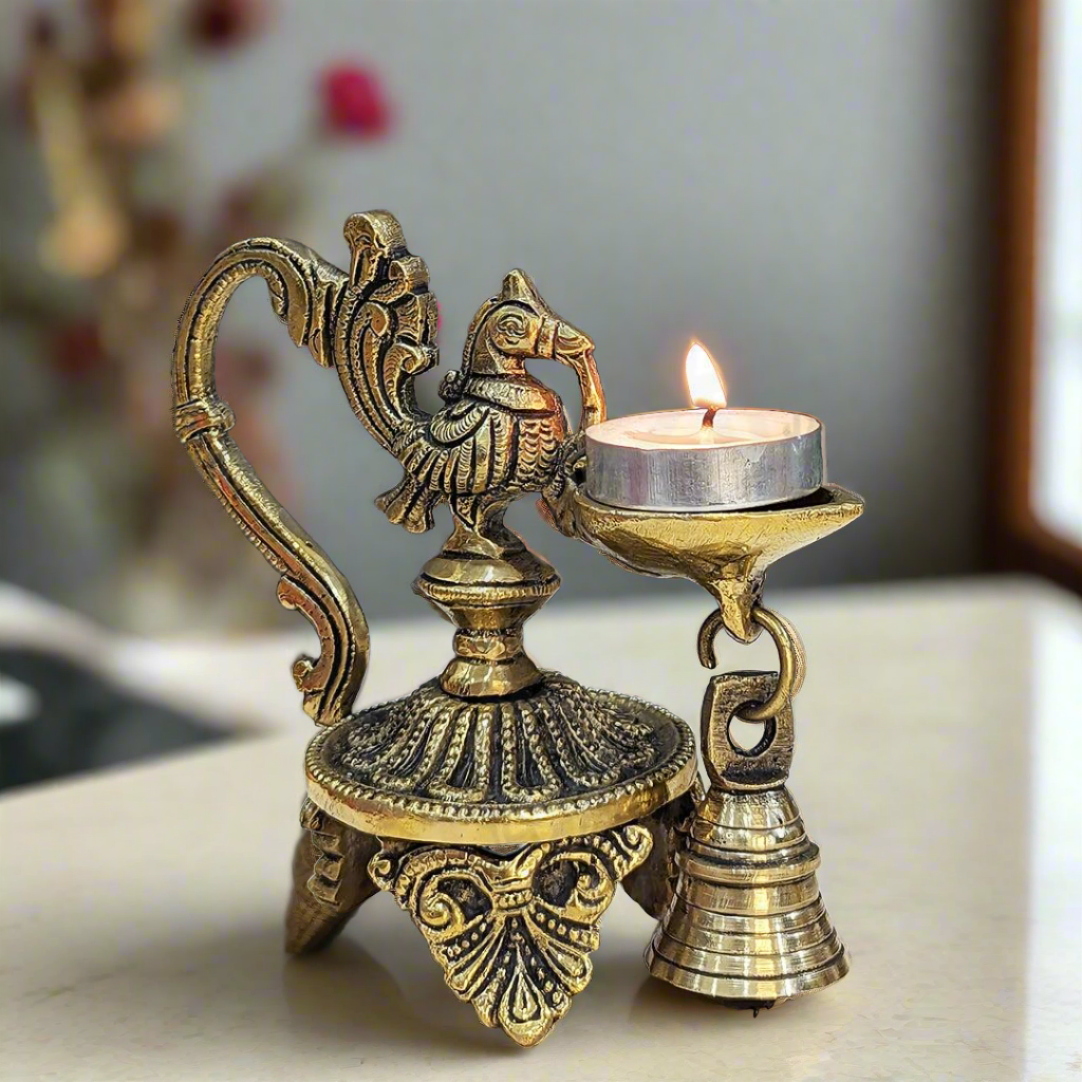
937	766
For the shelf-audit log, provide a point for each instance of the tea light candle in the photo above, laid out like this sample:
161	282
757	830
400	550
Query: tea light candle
706	459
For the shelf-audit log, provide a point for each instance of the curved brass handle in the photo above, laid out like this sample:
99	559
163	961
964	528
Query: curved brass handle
304	292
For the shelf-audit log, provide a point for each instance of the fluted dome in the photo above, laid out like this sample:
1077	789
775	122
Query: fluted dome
557	759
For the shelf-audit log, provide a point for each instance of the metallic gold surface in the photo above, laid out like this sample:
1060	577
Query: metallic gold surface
513	934
725	552
503	796
651	884
488	587
557	760
500	434
330	880
746	923
792	660
495	752
302	287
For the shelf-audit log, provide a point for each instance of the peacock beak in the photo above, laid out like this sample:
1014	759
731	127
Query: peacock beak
560	341
571	345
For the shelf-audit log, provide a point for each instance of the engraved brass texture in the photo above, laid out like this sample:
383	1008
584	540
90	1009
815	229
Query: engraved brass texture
725	552
513	934
554	760
495	752
498	803
745	922
330	880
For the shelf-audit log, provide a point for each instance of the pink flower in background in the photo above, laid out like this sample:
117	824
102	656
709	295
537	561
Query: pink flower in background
353	102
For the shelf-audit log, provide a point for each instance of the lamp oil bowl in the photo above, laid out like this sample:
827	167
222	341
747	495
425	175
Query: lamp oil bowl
500	804
725	552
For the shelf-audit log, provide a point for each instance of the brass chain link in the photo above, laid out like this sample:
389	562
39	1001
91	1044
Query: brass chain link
793	664
791	657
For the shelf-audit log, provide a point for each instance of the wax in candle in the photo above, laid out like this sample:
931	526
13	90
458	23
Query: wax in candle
671	461
685	428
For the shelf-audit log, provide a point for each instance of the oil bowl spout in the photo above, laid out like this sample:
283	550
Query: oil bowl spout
725	552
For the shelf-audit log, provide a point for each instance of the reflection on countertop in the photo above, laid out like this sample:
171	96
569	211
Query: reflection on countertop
937	769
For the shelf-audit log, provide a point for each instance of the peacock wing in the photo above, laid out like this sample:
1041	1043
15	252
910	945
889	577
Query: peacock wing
468	448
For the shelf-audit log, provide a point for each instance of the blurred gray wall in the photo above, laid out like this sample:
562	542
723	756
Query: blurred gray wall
802	186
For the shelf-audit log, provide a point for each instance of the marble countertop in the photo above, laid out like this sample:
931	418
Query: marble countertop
937	766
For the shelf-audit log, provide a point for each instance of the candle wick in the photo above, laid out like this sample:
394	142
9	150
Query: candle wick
709	415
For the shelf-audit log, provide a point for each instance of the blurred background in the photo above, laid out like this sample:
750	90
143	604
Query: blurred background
840	199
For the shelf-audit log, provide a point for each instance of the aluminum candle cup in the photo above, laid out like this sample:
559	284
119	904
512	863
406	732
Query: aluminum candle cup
672	461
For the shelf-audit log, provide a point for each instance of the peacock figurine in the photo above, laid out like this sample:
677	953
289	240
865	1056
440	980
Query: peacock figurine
502	431
523	796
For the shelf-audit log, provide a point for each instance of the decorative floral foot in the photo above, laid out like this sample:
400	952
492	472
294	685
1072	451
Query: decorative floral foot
513	933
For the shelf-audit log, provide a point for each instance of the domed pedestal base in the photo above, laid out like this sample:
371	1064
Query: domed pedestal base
501	825
555	761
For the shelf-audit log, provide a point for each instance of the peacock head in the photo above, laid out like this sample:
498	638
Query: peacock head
518	323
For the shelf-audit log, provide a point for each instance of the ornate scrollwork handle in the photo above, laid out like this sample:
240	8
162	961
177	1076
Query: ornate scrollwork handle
304	292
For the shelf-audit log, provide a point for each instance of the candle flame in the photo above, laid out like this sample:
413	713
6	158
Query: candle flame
704	379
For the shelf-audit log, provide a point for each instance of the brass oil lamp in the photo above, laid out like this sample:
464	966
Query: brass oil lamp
501	804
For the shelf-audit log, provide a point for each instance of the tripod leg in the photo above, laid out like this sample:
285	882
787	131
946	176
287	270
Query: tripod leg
651	883
330	879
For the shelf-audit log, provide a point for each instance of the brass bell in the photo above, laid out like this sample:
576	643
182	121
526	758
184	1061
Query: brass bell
746	923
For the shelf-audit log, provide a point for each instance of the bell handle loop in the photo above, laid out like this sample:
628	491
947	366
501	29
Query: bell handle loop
304	291
737	769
